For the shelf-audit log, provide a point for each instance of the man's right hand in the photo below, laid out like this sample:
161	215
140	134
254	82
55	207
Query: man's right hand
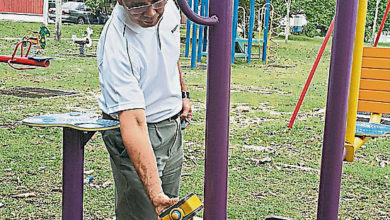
161	202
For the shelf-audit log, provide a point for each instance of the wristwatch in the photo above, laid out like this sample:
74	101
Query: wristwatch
185	95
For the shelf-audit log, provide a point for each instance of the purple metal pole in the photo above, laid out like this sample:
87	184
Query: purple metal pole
217	111
336	111
72	172
218	101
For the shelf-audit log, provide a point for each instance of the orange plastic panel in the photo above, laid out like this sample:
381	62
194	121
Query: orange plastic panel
378	52
378	96
377	85
377	107
382	74
377	63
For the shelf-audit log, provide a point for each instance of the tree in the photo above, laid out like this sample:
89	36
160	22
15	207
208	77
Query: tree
319	13
95	5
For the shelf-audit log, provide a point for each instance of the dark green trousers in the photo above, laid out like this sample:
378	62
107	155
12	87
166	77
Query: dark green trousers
131	200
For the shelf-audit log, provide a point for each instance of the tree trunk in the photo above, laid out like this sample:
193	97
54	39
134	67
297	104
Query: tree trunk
287	30
58	19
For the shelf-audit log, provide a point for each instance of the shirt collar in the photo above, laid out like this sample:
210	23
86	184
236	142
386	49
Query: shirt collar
124	17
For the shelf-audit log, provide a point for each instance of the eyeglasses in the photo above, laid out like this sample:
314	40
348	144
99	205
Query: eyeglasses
142	9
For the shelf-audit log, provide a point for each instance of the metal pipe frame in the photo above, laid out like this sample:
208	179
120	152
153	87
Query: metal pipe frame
336	111
218	102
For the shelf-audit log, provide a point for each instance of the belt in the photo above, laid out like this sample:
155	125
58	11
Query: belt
107	116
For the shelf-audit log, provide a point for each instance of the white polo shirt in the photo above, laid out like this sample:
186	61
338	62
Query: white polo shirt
138	66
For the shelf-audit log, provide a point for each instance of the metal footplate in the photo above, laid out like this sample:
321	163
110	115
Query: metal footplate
371	129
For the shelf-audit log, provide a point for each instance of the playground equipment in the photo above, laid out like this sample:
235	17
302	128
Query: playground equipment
83	41
265	21
196	43
244	52
185	209
24	59
40	39
217	111
267	15
311	74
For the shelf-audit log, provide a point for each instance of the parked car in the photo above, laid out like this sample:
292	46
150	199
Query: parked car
76	12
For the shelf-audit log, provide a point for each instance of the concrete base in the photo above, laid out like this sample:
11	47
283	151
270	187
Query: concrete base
21	17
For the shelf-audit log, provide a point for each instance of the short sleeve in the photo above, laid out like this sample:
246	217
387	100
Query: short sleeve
119	76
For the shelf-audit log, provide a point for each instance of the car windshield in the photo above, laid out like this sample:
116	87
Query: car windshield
71	5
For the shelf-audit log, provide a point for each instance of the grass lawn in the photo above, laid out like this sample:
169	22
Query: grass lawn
262	100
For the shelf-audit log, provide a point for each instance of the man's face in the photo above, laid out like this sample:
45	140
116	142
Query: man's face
142	12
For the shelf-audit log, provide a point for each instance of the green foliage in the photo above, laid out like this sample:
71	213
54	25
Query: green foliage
95	5
319	13
98	6
371	15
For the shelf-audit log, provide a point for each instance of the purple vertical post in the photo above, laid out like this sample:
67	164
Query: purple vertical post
336	111
218	102
72	172
217	112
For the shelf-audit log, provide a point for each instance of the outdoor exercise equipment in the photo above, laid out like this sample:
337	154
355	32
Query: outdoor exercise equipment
370	95
185	209
335	118
83	41
217	111
218	101
24	59
218	104
355	78
40	39
78	128
356	69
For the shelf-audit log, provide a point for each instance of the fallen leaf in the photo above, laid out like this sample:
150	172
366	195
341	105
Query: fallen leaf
89	172
57	189
24	195
106	184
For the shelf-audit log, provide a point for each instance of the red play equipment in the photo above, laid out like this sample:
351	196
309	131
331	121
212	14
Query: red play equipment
24	59
382	25
313	70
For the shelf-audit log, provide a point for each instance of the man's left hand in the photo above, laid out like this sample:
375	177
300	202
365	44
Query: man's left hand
186	111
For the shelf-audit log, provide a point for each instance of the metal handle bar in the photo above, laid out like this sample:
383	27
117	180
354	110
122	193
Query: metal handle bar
210	21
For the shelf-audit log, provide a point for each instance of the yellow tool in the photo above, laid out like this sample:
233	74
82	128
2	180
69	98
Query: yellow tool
185	209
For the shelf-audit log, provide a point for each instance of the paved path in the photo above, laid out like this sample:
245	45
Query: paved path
21	17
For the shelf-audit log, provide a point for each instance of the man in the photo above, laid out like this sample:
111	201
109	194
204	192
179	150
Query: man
142	87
